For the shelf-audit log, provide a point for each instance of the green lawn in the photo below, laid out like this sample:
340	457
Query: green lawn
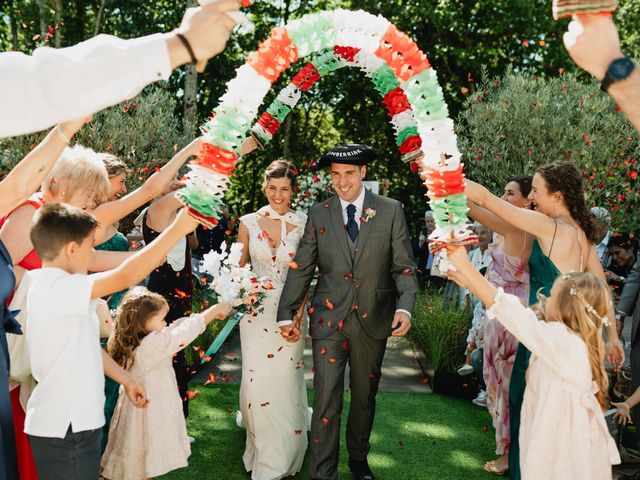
415	436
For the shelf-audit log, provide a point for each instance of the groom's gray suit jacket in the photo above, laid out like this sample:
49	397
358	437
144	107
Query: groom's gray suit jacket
375	276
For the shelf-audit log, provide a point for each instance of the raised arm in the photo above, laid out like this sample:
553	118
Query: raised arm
140	264
593	43
60	84
110	212
535	223
508	309
490	220
27	176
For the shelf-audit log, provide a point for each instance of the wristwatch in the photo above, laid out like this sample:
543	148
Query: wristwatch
618	70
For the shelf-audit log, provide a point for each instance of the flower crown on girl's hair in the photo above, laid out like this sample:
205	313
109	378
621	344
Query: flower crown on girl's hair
575	291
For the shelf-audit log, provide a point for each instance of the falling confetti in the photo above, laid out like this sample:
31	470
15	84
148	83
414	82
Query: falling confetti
212	379
329	304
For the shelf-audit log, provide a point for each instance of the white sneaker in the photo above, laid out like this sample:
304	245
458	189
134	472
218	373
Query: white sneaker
465	370
191	439
239	420
481	399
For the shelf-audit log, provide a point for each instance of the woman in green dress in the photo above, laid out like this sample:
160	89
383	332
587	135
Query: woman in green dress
563	242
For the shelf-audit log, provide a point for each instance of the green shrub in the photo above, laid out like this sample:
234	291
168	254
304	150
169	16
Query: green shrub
518	122
438	332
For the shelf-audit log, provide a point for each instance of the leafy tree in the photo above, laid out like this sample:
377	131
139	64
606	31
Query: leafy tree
518	122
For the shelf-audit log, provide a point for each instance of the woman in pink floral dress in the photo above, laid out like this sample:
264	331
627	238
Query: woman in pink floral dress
509	255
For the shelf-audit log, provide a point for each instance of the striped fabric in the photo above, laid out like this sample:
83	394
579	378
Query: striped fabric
563	9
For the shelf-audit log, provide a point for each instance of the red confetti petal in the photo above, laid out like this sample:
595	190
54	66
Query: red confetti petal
293	265
212	379
325	421
340	324
332	360
323	350
424	380
270	355
329	304
298	432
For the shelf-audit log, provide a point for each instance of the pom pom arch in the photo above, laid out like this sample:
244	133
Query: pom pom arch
401	73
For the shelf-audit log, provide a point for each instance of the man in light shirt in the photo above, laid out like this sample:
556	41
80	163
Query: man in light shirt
57	85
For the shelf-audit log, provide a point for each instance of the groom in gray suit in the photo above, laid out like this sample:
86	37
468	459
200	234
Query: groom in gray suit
366	291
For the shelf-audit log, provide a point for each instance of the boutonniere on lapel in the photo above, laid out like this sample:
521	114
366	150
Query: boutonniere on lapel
369	213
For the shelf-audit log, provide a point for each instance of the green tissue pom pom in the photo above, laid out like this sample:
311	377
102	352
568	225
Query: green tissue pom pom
384	80
402	136
202	202
279	110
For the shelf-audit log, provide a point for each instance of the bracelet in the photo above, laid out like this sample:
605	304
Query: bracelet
187	45
62	135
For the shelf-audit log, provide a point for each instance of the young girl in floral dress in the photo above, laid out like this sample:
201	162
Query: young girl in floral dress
149	442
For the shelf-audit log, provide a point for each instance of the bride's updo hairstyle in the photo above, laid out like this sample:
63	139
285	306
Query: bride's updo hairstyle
281	169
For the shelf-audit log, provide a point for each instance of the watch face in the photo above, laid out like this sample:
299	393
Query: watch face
620	69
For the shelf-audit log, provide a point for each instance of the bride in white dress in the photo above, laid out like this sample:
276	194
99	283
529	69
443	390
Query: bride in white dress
273	395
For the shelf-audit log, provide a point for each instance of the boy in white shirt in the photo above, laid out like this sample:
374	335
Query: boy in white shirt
64	415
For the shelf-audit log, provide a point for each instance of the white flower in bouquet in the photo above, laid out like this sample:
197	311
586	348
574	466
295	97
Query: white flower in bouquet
234	284
235	254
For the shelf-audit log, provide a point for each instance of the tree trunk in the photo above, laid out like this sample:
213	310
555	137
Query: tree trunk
96	31
58	20
190	93
14	26
42	5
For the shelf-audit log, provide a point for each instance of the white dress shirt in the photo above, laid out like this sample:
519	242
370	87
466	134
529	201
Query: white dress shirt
57	85
63	334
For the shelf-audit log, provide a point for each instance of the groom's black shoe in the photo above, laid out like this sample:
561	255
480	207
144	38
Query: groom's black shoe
360	470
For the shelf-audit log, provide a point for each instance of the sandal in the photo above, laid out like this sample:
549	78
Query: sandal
490	467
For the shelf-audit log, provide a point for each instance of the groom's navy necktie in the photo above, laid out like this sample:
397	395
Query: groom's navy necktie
352	226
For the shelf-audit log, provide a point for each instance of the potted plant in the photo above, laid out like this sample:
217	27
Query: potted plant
440	334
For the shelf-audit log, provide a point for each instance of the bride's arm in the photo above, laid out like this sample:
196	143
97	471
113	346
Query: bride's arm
243	238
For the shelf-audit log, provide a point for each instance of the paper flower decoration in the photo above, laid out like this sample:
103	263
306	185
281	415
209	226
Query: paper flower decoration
400	73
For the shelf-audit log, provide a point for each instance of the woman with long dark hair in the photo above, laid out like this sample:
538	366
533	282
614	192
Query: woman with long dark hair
563	242
507	269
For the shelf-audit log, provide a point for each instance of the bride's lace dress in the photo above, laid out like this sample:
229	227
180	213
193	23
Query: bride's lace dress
273	395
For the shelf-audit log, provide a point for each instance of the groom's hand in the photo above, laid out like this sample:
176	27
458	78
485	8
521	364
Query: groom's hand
290	333
401	324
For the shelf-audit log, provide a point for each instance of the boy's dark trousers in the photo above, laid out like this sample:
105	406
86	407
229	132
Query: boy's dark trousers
74	457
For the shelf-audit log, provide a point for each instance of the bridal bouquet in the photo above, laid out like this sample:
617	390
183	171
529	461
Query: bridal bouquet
233	284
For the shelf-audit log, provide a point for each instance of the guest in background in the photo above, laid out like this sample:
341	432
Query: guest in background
602	225
423	255
623	250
